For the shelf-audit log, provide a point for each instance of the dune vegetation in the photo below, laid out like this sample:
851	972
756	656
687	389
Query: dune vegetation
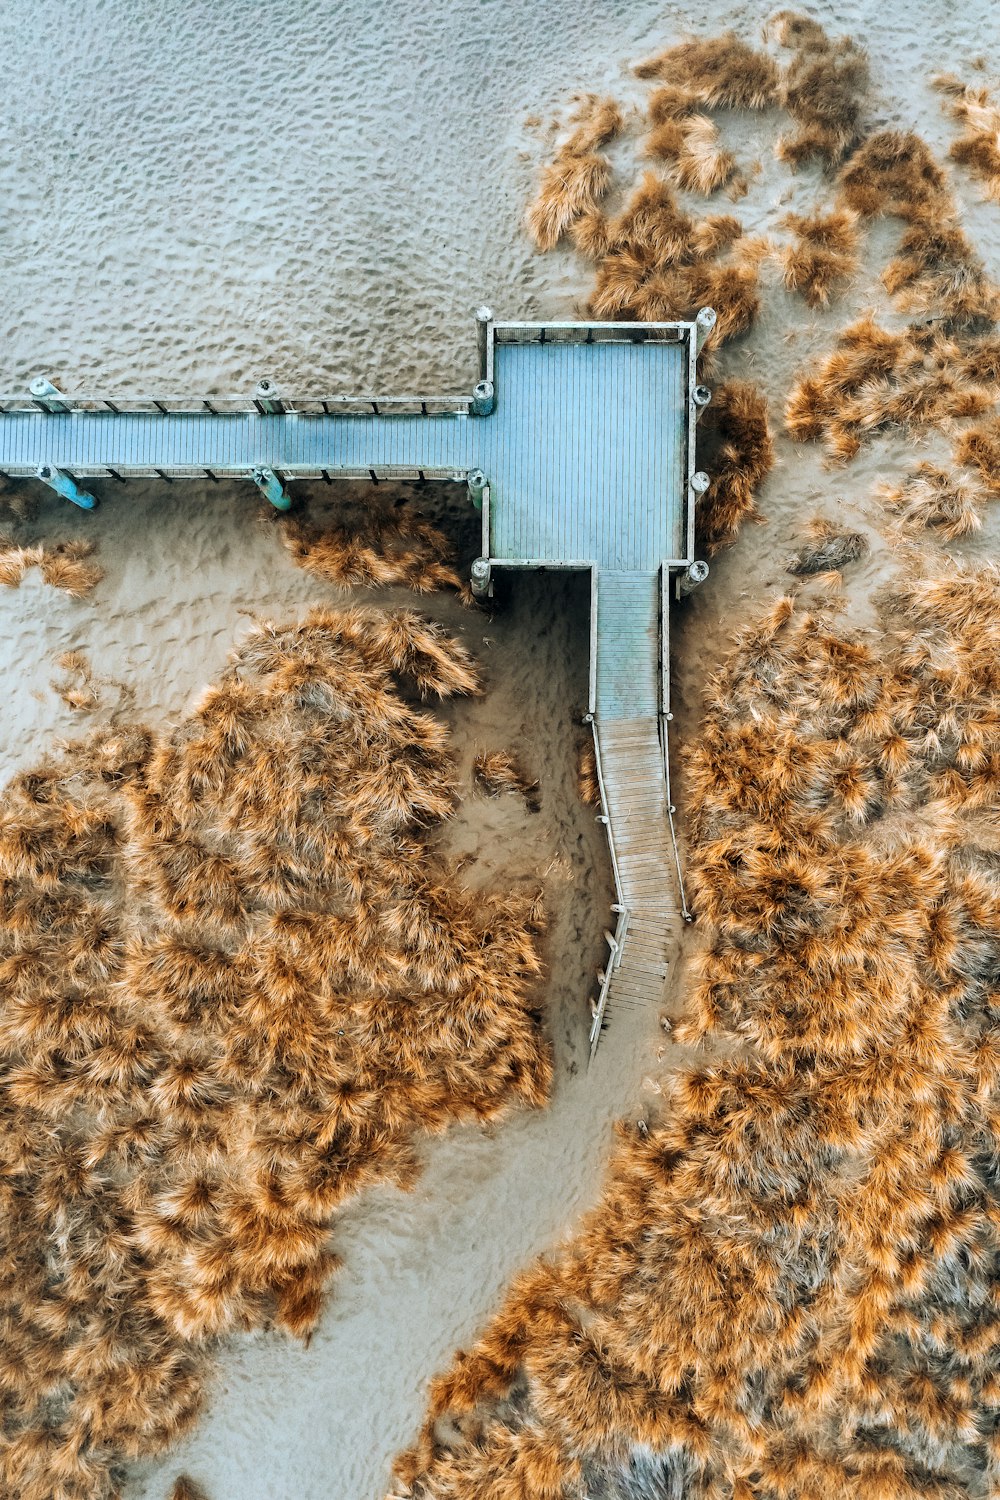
787	1290
62	566
237	985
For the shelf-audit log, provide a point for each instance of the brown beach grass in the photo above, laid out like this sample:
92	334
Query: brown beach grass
385	544
785	1289
690	148
209	941
737	451
827	548
932	496
497	771
587	781
578	177
823	89
823	255
978	147
721	72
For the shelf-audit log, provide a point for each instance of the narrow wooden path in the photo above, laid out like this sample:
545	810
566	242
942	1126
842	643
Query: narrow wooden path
631	639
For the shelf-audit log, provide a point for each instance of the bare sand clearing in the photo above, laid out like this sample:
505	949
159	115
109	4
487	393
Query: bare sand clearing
195	196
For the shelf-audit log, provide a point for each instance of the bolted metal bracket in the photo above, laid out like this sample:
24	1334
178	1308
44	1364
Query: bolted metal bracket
482	578
65	485
690	580
271	486
45	396
267	398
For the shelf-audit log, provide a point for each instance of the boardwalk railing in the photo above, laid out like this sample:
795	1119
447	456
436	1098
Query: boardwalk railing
666	719
616	946
617	943
220	406
588	333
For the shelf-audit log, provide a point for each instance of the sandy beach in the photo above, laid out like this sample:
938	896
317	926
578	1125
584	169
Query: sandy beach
197	194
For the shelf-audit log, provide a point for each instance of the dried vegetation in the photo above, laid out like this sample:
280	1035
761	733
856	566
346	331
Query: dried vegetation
827	548
736	449
63	566
823	89
789	1286
823	255
935	372
978	147
932	496
76	687
386	543
579	176
497	771
587	781
235	985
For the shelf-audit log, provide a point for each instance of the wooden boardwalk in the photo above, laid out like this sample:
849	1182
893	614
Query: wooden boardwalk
631	643
577	444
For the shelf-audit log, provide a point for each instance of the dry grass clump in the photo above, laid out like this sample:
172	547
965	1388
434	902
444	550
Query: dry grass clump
579	177
876	379
935	497
978	148
823	254
658	263
736	450
827	548
823	89
186	1489
497	771
63	567
720	72
388	545
979	448
236	983
935	268
694	159
77	688
789	1286
15	562
893	173
587	781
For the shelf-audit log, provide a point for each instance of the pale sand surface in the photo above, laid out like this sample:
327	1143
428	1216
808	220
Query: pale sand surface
195	194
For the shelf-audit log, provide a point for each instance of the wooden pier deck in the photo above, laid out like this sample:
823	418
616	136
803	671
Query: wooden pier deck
629	724
578	445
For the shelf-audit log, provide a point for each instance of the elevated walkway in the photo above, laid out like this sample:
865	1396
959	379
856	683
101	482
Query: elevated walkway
630	722
577	445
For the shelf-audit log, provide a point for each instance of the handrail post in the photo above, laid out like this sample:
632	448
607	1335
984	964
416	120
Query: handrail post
272	488
65	485
267	398
47	398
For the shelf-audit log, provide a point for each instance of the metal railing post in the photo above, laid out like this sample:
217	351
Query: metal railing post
272	488
47	398
267	398
65	485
